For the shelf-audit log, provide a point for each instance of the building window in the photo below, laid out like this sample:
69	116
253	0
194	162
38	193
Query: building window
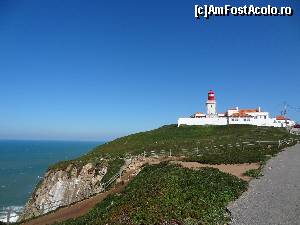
245	119
265	117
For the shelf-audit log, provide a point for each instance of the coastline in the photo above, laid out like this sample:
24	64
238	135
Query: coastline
23	164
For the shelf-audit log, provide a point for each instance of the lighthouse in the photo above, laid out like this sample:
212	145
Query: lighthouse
233	116
211	104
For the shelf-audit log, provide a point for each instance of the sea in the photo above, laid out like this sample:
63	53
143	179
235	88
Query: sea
22	165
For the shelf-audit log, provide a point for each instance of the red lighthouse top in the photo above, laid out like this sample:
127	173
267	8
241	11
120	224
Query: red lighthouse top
211	95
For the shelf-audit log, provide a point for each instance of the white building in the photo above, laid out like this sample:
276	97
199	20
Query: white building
233	116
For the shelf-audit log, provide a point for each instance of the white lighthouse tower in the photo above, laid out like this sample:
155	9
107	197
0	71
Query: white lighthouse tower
211	104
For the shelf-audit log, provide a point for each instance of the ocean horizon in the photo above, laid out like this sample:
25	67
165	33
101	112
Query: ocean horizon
24	162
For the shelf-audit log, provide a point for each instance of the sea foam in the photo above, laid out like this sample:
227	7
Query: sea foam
14	215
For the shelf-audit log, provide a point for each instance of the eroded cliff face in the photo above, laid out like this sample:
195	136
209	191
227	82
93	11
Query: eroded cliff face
63	187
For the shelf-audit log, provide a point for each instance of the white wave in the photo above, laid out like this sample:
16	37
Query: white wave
14	215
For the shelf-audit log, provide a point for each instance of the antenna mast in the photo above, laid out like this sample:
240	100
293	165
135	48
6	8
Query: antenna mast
284	112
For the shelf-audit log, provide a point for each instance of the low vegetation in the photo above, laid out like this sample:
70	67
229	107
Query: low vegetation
256	173
169	194
205	144
253	173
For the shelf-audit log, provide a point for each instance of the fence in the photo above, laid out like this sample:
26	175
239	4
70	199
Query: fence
199	149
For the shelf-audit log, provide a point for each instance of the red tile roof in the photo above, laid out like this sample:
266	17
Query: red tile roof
248	110
241	114
280	117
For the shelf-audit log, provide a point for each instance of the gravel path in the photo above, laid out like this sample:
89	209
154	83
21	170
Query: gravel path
274	198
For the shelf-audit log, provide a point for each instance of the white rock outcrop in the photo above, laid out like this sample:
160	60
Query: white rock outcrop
64	187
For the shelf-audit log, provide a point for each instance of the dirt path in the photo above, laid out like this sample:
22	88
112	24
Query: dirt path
83	207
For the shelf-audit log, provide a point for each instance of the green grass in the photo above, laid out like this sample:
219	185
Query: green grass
185	140
253	173
165	193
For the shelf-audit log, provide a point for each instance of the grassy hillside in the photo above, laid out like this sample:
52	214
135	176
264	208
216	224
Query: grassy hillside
168	194
198	143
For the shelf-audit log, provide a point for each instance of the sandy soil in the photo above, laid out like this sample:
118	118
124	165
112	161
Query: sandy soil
81	208
237	170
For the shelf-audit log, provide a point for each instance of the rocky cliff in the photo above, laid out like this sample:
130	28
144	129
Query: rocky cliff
64	187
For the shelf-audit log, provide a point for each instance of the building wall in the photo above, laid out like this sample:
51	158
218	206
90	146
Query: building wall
232	111
270	122
259	121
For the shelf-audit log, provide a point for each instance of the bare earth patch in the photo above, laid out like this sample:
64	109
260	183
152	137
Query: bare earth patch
237	170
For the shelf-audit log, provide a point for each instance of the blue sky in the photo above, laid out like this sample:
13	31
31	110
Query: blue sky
96	70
